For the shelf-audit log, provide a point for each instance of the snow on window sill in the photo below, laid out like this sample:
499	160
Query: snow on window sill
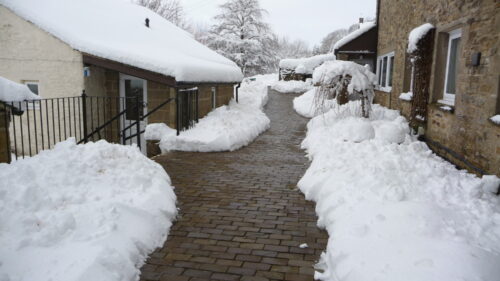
495	120
445	106
406	96
447	102
384	89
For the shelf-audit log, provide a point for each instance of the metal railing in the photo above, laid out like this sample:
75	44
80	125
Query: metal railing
40	124
187	108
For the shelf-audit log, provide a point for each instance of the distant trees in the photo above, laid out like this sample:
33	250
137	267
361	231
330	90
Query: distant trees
332	38
171	10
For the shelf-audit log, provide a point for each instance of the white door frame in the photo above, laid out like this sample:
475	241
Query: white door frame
124	121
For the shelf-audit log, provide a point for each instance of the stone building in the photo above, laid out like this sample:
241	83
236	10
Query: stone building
60	49
460	84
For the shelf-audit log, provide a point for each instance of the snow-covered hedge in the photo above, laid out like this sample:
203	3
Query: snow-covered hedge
393	210
82	212
416	34
305	65
226	128
14	92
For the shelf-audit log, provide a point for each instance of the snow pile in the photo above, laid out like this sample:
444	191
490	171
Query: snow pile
406	96
305	65
416	34
361	77
393	209
307	105
226	128
115	30
14	92
292	86
364	27
496	119
82	212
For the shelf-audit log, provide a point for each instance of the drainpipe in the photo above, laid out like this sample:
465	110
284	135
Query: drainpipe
237	91
177	110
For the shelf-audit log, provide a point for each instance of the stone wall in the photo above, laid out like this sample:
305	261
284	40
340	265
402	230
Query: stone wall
465	136
4	135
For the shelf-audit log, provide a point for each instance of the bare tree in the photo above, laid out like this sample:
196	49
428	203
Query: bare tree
171	10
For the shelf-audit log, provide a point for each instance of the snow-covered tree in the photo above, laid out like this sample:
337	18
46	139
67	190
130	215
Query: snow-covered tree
171	10
241	35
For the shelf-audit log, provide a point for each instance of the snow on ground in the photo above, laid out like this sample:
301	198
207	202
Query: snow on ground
392	208
292	86
226	128
307	106
163	47
82	212
14	92
305	65
416	34
364	27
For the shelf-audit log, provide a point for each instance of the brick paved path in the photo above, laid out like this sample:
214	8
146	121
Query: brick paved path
241	216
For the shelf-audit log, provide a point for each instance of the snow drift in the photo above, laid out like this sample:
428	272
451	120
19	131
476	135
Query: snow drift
14	92
393	209
226	128
82	212
292	86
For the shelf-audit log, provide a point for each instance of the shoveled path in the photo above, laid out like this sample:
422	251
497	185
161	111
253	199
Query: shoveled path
241	216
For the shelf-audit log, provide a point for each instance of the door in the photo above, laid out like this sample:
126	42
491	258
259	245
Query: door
133	94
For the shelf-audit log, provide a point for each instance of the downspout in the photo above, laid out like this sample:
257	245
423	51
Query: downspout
177	125
237	91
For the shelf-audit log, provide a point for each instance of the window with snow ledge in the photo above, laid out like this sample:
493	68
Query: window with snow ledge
35	89
452	67
385	66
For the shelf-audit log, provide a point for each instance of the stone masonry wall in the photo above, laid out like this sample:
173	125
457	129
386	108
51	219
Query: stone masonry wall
465	136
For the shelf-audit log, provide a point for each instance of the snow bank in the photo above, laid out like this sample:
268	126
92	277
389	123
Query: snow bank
362	77
226	128
306	105
115	30
82	212
305	65
406	96
14	92
364	27
292	86
416	34
393	209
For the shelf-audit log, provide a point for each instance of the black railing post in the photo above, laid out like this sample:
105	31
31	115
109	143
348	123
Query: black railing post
138	124
84	113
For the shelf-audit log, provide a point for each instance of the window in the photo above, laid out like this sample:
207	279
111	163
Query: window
450	84
214	97
385	71
33	86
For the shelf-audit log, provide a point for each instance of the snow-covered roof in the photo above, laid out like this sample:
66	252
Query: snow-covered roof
115	30
416	34
305	65
364	27
13	92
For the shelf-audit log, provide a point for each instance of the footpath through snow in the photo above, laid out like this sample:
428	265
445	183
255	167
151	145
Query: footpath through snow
226	128
82	212
394	210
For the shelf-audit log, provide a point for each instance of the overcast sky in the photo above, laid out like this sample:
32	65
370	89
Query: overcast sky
309	20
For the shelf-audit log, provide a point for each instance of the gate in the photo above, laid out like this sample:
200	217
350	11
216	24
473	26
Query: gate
187	108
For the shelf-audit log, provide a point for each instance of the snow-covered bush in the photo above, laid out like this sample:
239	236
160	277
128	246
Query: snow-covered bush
345	81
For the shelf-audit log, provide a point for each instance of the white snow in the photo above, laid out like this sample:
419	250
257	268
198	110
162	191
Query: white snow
406	96
292	86
364	27
303	246
305	65
115	30
226	128
82	212
11	91
446	108
362	77
307	106
393	209
496	119
416	34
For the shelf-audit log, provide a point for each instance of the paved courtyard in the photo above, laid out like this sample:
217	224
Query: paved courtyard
241	215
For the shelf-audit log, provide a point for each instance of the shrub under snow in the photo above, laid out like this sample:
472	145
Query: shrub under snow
82	212
393	210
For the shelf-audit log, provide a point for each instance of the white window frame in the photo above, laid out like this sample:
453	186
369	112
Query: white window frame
447	97
214	97
33	104
380	60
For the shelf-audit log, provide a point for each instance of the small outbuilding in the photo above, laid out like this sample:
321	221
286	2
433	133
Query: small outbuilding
301	68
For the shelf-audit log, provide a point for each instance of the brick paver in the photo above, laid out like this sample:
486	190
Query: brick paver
241	215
